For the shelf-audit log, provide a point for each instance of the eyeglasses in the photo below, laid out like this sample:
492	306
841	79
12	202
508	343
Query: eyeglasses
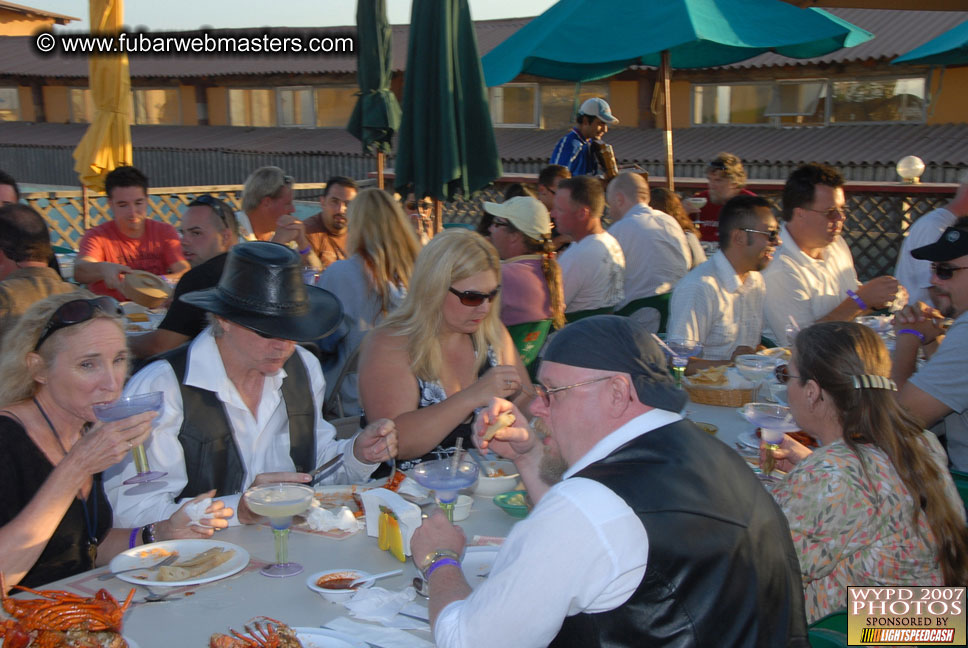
545	394
718	165
423	205
216	205
77	312
473	298
772	235
944	271
782	373
832	214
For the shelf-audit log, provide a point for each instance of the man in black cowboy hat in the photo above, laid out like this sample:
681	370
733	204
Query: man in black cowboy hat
242	401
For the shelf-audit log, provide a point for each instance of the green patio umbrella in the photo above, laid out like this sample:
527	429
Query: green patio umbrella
584	40
446	143
950	48
377	114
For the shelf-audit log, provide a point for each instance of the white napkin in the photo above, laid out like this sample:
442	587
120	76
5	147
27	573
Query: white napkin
321	519
384	637
381	605
196	511
409	486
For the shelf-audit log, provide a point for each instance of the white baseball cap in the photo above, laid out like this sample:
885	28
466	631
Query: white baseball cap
527	214
597	107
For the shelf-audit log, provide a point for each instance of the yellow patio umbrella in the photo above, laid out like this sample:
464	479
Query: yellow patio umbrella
107	142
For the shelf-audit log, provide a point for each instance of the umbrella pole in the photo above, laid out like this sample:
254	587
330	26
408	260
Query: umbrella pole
85	212
379	169
667	97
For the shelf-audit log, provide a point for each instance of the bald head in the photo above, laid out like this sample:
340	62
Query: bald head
626	191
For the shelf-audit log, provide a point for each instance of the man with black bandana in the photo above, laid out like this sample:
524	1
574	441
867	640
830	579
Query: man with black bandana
656	535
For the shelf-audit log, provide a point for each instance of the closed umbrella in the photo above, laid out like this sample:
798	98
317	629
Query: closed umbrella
107	142
950	48
377	113
584	40
446	143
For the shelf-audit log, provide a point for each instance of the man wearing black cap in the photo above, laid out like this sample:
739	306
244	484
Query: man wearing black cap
242	401
938	392
657	535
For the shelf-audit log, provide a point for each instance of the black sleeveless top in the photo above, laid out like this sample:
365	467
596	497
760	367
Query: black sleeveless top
23	470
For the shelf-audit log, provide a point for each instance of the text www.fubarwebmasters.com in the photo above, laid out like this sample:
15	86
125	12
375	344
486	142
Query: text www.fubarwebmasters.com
196	43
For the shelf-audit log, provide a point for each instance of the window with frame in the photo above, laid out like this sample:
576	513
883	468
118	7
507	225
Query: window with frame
558	102
157	106
515	105
296	107
878	100
731	103
9	104
334	105
252	107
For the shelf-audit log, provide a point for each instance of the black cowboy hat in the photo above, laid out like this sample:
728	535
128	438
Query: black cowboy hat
262	289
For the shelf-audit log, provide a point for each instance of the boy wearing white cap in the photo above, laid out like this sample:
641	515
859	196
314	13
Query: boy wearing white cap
574	149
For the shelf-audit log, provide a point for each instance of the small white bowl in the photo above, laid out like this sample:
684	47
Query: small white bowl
462	508
337	595
491	486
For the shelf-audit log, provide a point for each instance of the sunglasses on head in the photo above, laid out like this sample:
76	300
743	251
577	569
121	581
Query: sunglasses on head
77	312
423	205
216	205
473	298
944	271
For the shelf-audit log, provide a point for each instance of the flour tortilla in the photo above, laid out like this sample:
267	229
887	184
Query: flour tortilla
502	421
195	566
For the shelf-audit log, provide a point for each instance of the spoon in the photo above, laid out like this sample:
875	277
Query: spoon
374	577
154	597
479	460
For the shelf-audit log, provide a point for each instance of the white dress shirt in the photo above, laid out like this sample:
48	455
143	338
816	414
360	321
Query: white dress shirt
262	439
582	549
805	288
710	305
657	254
915	274
593	273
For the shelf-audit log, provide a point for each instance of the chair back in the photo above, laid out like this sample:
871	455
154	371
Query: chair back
658	302
577	315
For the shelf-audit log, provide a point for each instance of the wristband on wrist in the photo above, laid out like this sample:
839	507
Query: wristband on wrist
439	562
133	538
306	250
857	300
918	334
148	533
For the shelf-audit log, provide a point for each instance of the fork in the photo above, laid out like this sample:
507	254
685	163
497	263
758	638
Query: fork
164	563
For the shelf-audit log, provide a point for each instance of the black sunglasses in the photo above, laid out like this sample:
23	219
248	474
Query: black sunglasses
473	298
423	205
944	271
782	373
772	235
216	205
77	312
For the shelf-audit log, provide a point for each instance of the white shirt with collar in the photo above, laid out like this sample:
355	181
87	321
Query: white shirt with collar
805	288
710	305
657	254
582	549
262	439
593	273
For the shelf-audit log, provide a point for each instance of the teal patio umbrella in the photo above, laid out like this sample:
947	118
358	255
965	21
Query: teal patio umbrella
950	48
376	115
584	40
446	142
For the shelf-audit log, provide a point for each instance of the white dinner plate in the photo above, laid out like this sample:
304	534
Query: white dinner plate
147	555
326	638
748	439
477	564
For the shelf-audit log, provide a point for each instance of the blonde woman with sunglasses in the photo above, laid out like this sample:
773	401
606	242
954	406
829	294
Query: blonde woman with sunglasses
444	352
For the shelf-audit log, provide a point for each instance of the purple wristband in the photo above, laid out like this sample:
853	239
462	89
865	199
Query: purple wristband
857	299
917	334
133	538
307	250
442	561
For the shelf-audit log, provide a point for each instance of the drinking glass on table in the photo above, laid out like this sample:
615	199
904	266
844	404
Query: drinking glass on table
131	406
279	503
680	350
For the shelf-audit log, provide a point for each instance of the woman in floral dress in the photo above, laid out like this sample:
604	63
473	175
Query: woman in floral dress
875	504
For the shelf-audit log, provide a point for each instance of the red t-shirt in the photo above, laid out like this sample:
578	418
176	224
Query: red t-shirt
156	251
709	230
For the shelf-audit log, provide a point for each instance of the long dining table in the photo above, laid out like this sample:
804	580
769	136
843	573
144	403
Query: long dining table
190	616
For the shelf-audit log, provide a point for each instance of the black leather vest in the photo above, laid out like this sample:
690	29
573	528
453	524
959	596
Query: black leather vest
212	458
722	569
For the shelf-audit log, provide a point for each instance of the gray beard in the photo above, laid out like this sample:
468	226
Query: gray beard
552	467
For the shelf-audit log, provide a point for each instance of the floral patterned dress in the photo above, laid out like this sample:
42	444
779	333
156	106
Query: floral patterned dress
849	529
